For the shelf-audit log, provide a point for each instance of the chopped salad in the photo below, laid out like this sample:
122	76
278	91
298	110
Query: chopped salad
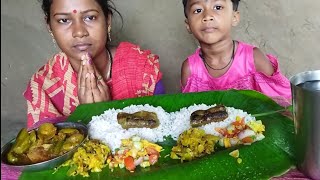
135	152
240	132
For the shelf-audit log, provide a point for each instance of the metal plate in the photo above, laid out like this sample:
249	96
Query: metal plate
52	163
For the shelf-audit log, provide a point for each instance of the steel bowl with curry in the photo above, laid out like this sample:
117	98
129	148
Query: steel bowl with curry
45	147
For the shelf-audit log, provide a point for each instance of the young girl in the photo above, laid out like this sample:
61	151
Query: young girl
222	63
87	70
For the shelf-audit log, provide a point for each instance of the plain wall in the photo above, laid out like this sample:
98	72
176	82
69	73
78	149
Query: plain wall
289	29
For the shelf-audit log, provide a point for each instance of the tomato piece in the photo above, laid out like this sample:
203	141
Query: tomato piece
248	139
151	150
236	131
153	158
240	125
222	131
129	163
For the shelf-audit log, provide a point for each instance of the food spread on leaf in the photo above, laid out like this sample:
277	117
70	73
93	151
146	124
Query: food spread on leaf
198	130
127	138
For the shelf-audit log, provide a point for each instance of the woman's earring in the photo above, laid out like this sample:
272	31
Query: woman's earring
53	39
109	33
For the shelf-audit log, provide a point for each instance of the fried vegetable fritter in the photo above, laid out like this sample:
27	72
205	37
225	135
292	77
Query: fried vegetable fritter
140	119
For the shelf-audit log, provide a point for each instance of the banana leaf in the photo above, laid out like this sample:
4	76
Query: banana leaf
273	156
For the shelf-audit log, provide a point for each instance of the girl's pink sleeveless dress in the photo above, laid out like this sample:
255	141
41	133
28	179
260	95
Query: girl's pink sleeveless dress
241	75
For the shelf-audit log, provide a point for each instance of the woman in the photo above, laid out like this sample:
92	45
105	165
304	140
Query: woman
87	70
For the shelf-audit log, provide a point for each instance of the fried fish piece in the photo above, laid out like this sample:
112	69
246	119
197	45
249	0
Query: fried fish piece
140	119
203	117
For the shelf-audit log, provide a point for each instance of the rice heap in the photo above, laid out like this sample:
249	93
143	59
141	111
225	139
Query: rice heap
106	128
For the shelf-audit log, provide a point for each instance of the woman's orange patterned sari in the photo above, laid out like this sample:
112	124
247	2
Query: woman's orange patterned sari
52	91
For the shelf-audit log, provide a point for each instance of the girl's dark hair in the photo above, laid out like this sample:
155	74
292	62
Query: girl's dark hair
234	2
106	5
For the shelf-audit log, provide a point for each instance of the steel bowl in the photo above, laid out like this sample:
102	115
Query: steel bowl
52	163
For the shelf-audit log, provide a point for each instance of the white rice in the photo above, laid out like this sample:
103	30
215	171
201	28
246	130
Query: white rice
106	128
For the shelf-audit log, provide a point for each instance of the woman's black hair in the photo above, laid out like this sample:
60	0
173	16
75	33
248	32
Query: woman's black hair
234	2
107	7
